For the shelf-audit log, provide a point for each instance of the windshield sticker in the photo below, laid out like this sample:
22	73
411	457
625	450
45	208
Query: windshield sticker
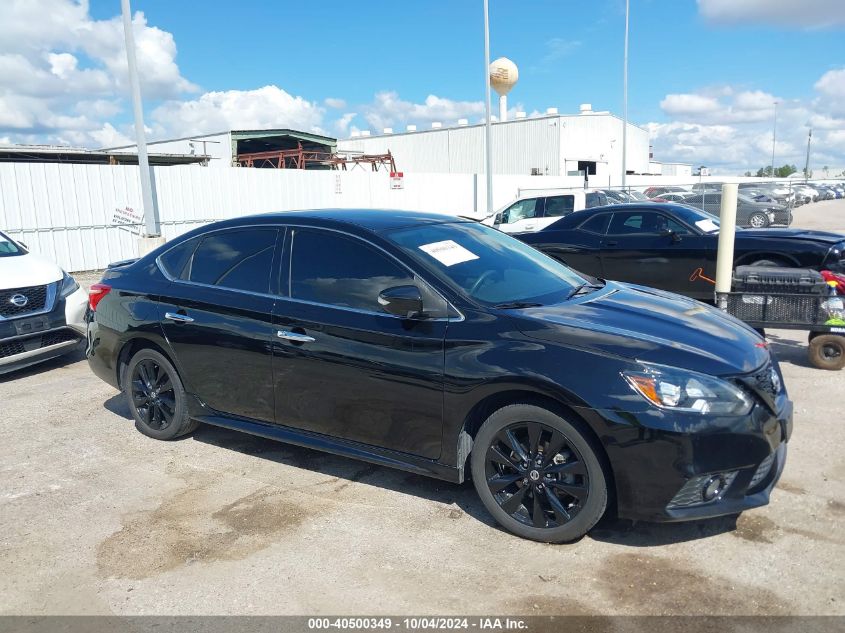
707	225
448	252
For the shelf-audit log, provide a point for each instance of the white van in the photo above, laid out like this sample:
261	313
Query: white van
533	212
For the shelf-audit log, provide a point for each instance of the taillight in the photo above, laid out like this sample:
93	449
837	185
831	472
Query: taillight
96	293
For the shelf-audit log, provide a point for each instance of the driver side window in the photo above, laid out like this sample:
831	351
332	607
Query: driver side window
522	210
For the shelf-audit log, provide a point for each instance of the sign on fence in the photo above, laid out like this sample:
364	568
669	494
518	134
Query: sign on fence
397	180
128	219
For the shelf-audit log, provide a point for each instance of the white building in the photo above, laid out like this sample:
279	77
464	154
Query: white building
551	144
660	168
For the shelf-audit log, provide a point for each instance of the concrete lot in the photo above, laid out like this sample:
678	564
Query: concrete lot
97	519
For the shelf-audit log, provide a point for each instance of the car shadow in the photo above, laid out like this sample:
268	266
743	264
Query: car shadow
342	472
789	351
59	362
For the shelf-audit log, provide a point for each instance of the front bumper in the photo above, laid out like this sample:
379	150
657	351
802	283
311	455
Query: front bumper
655	454
40	336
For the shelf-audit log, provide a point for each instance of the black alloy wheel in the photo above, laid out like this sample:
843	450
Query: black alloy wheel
156	396
538	475
535	475
153	396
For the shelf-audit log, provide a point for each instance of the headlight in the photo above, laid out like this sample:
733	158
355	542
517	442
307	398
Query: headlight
68	285
687	391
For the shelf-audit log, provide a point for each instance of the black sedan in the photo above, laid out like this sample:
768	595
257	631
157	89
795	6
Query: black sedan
446	348
673	246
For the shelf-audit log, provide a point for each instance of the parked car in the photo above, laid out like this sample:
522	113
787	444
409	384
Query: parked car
673	197
445	347
42	308
533	212
748	213
657	192
673	246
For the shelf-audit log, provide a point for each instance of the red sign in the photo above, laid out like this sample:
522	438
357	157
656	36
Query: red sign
397	180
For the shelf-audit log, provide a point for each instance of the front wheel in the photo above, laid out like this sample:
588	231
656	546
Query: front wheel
156	397
538	474
759	221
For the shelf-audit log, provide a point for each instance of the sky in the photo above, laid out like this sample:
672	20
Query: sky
703	75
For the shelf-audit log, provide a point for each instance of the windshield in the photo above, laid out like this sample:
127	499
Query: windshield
487	265
8	247
706	222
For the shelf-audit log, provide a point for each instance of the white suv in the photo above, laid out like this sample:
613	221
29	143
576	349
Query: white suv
533	213
42	308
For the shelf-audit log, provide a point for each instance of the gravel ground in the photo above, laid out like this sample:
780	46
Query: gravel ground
97	519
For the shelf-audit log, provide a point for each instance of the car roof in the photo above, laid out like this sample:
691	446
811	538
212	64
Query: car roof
580	216
374	220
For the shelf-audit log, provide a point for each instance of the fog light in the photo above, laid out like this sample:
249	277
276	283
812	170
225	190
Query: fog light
713	488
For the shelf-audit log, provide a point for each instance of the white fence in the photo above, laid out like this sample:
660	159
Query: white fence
66	212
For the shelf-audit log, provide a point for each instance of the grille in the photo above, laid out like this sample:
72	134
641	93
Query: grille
31	343
36	300
690	493
762	471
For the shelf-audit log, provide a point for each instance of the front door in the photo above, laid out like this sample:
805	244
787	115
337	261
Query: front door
217	318
652	249
344	367
522	216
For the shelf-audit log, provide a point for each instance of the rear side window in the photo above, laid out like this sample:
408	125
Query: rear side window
557	206
341	271
595	199
596	224
174	260
240	260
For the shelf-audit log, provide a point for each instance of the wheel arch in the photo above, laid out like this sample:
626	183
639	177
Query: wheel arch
750	257
493	402
132	347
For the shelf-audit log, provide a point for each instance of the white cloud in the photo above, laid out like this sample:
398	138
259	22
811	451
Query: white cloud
389	110
333	102
788	13
63	73
267	107
731	130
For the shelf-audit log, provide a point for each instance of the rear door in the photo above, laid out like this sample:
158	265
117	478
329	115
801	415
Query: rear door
344	367
217	318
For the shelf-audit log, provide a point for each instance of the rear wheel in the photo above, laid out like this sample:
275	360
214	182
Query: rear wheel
538	474
827	351
759	221
156	397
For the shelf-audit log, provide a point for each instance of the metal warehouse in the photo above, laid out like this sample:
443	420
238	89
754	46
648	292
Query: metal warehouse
550	144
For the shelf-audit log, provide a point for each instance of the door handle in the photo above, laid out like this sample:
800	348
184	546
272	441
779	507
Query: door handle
178	318
296	337
612	243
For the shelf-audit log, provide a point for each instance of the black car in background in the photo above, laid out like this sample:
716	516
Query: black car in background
445	347
673	246
749	213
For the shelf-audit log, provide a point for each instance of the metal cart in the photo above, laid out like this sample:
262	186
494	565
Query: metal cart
790	311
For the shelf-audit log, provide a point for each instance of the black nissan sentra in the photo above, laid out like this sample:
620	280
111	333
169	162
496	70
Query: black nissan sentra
446	348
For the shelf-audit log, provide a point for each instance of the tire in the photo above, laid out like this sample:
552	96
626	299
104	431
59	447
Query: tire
771	262
156	397
570	485
758	221
827	351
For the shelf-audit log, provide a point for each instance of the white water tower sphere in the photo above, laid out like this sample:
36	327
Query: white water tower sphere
503	77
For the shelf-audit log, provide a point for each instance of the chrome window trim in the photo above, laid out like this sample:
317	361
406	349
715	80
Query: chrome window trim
49	302
277	227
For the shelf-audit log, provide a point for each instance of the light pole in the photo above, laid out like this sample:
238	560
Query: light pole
151	220
774	138
488	147
625	99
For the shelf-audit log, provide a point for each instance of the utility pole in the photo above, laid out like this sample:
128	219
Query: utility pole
488	135
151	220
625	100
807	162
774	138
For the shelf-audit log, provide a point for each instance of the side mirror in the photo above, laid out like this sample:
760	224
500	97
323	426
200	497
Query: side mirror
403	301
497	219
670	233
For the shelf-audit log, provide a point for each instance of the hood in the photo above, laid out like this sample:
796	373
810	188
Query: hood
19	271
824	237
649	325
